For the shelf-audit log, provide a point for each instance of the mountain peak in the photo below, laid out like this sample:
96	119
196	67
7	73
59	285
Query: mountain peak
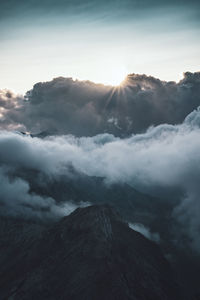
90	254
97	220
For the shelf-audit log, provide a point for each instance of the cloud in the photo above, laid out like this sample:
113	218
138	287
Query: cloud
17	200
162	162
65	106
11	109
153	236
83	108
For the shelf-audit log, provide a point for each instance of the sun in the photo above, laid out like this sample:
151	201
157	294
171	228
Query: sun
114	77
105	72
108	74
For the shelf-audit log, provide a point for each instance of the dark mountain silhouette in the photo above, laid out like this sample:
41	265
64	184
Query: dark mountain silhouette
90	254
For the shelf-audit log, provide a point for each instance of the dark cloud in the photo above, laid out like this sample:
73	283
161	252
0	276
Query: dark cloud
65	106
153	102
11	110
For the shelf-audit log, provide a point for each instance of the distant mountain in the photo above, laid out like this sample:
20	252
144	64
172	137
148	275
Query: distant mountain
90	254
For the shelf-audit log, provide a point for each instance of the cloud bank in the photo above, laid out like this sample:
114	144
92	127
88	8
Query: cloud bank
165	158
82	108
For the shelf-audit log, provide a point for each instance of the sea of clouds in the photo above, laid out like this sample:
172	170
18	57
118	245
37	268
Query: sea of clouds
162	161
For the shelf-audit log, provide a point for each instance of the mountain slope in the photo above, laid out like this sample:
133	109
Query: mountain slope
90	254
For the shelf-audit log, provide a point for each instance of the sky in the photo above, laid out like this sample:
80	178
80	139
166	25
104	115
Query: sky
101	41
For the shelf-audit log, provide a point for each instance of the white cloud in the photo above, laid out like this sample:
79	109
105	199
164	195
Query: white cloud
165	158
145	231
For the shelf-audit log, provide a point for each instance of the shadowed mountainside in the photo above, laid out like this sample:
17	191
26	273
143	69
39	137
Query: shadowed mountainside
90	254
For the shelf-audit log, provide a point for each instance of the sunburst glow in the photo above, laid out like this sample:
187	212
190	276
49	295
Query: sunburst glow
110	75
115	77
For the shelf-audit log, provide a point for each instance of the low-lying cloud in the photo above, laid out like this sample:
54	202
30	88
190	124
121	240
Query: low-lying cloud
17	200
165	158
153	236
